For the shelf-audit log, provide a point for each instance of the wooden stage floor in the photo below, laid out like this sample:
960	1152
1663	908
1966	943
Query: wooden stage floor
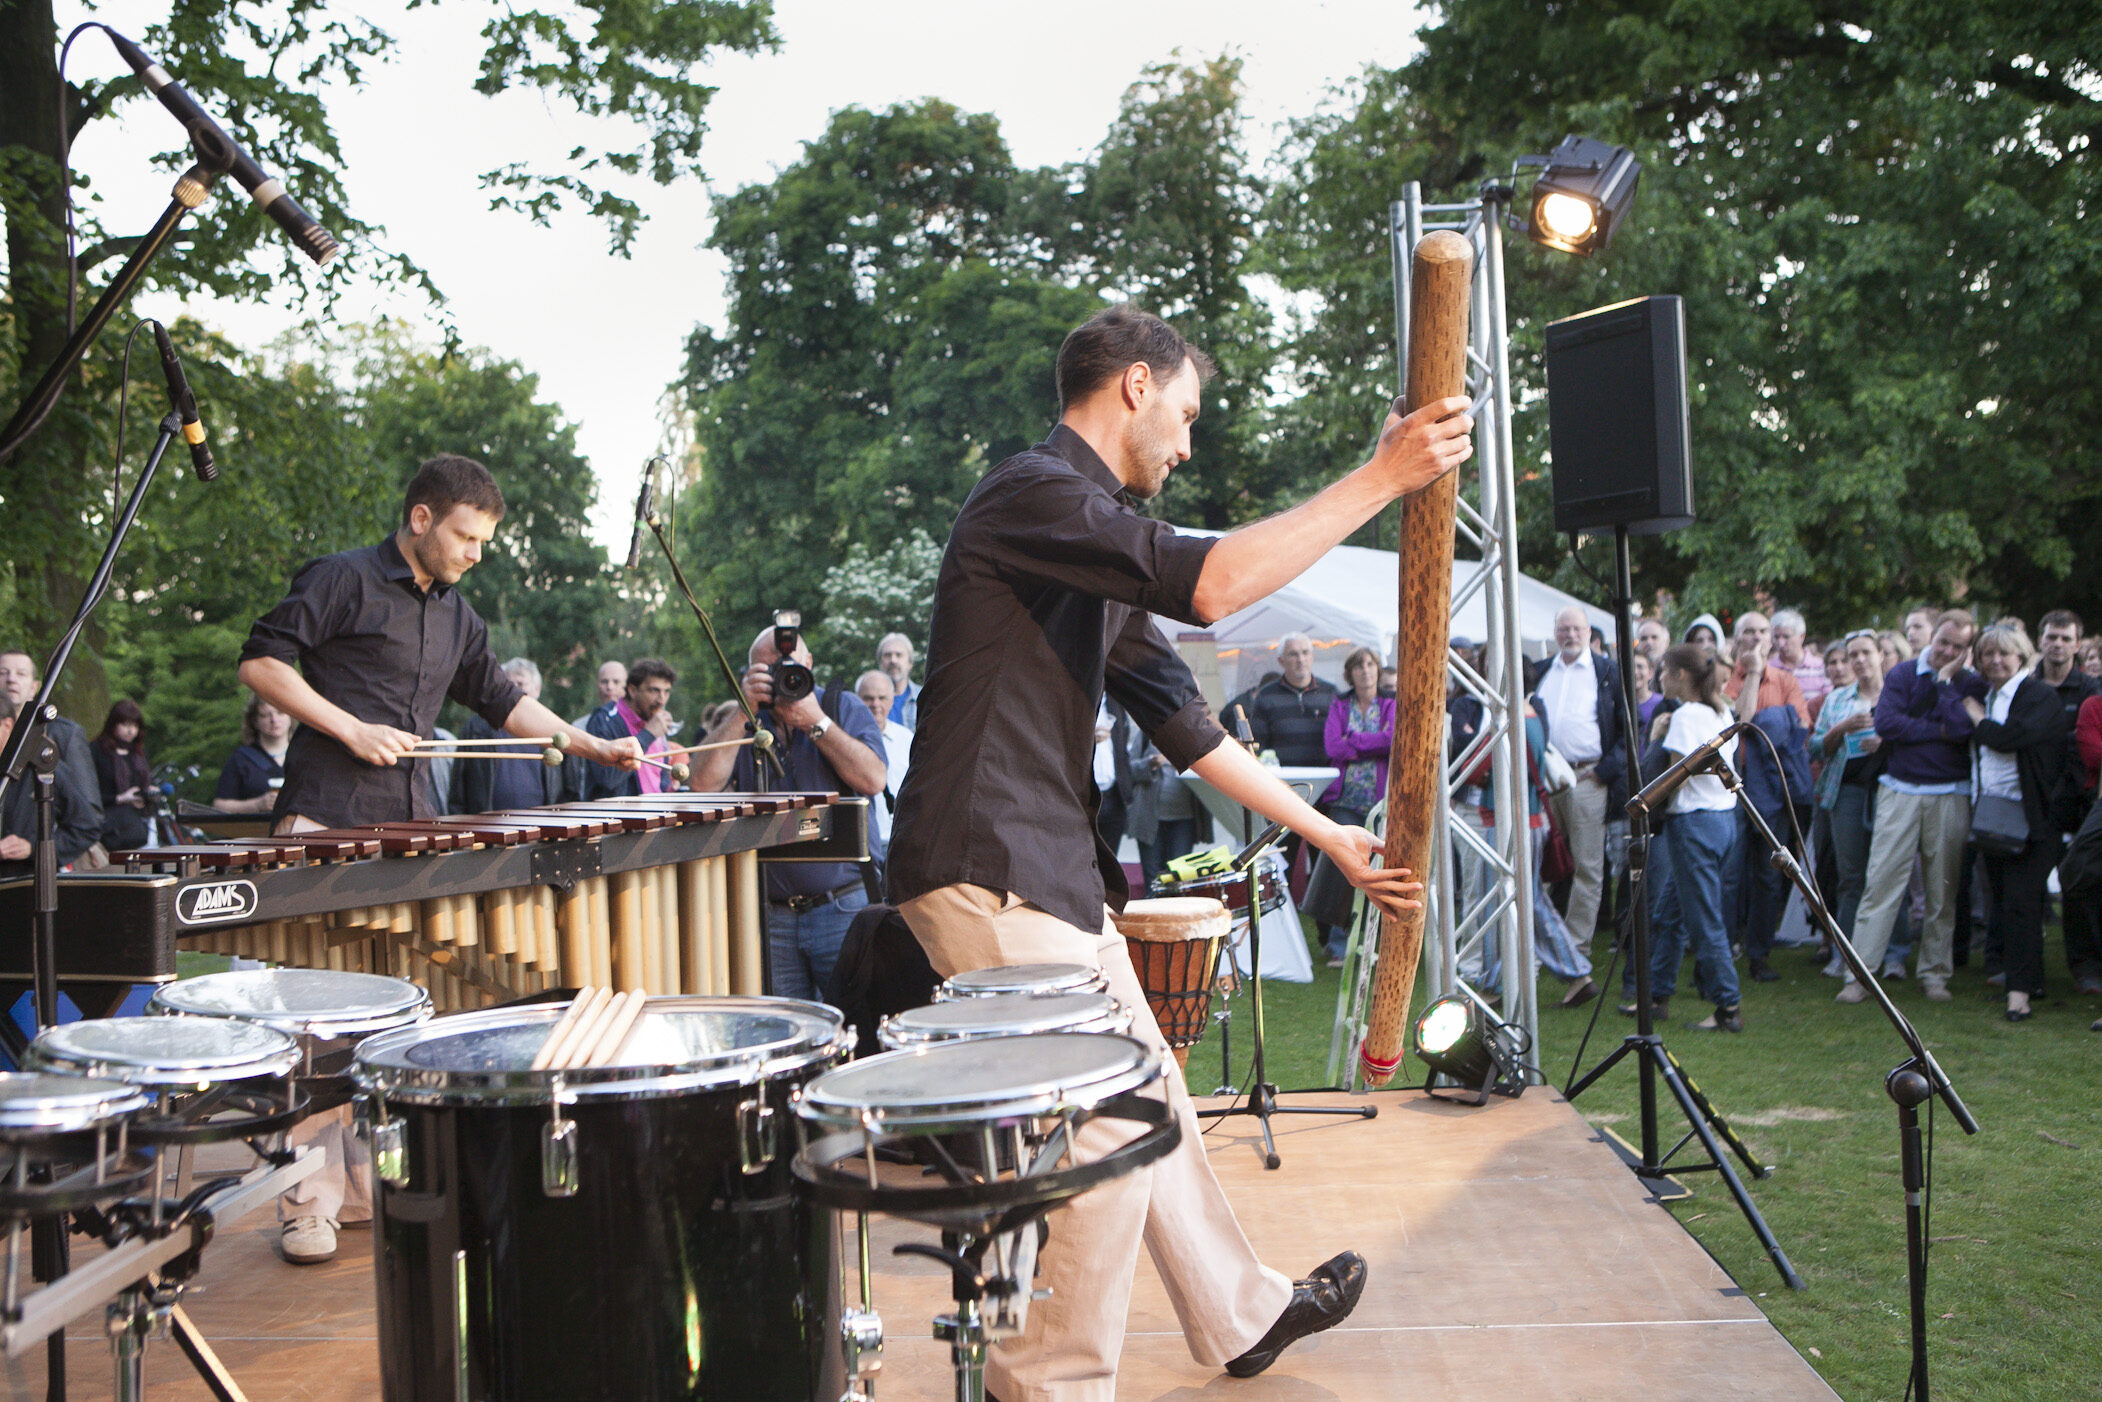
1512	1257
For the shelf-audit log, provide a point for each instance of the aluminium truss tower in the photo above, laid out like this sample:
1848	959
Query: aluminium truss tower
1487	895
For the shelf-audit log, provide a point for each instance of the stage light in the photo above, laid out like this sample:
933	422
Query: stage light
1582	195
1463	1041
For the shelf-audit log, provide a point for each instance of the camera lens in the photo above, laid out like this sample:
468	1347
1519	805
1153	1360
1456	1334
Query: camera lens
792	681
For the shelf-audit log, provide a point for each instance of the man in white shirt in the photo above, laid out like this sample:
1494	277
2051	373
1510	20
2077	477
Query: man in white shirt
1576	696
875	692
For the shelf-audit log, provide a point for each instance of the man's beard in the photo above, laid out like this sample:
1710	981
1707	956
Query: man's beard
1147	451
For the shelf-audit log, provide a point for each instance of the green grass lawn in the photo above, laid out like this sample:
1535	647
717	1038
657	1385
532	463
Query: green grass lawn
2015	1293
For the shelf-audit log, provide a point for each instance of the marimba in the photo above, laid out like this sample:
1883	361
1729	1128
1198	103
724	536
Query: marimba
658	893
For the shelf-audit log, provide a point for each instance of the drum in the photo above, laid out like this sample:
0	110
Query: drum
1174	943
50	1120
210	1079
314	1005
627	1231
1022	978
1009	1096
1230	889
1003	1015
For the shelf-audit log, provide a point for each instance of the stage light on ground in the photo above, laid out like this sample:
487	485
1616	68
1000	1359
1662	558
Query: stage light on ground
1582	195
1463	1041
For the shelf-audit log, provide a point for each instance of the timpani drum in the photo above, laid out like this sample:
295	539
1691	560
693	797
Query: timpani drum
625	1232
1003	1015
1022	978
1174	943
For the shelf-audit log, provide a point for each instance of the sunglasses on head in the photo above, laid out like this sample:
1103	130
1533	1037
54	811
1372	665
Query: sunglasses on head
1862	633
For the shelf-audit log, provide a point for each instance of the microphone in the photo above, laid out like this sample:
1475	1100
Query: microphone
1705	760
644	504
267	190
185	405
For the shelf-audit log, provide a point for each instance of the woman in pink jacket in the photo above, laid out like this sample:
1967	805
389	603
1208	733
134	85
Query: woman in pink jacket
1358	737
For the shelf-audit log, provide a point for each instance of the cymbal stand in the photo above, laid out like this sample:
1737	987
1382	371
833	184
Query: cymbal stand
1261	1101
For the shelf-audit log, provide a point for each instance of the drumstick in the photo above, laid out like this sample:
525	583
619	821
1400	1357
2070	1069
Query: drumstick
554	1054
593	1030
617	1032
549	756
678	771
560	742
712	745
545	1057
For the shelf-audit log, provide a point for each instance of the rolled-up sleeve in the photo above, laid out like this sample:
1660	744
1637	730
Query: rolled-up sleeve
1057	528
315	608
1152	682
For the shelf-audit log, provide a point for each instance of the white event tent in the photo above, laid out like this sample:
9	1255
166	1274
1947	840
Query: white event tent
1349	599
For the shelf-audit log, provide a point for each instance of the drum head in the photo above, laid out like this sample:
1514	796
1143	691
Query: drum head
1025	978
165	1052
679	1045
1004	1015
954	1086
318	1003
36	1102
1165	918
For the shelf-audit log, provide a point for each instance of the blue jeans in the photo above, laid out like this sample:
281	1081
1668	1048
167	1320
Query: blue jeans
1688	907
802	947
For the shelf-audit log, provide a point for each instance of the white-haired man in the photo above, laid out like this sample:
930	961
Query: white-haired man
894	658
1582	711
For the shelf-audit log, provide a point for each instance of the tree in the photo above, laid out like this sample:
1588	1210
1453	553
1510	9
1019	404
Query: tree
890	336
871	594
1876	211
261	68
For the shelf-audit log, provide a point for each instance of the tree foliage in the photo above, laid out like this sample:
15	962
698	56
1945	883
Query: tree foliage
1879	214
897	299
263	68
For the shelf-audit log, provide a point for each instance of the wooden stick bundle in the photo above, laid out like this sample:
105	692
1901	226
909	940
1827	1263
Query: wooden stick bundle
592	1031
1440	272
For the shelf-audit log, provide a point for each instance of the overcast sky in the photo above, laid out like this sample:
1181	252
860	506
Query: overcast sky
604	334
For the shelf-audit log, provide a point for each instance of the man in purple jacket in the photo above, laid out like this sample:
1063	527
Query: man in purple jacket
1923	801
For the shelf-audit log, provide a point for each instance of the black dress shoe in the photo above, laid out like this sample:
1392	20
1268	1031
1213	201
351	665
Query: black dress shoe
1321	1301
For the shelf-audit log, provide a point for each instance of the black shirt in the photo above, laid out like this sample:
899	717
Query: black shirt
248	773
390	653
1045	598
1291	721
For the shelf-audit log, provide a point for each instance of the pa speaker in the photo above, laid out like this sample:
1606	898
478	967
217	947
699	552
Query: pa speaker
1616	417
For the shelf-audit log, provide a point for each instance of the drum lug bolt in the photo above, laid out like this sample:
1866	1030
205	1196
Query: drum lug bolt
390	1145
756	1134
559	1151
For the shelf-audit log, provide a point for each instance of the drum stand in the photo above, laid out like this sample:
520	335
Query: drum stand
1262	1095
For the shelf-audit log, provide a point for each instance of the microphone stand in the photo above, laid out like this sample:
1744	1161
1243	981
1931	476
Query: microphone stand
31	754
1652	1057
1262	1095
1910	1084
190	192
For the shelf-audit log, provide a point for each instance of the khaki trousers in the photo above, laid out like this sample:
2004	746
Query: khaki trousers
1935	828
1225	1298
1587	847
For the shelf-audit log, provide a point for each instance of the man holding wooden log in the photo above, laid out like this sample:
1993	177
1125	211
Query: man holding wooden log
1044	601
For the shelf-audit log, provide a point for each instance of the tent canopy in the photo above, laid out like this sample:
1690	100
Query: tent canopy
1350	599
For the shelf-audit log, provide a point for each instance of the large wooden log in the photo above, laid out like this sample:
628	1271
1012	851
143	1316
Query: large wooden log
1439	275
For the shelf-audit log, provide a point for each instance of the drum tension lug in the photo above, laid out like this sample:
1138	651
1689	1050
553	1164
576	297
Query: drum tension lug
559	1149
388	1139
757	1137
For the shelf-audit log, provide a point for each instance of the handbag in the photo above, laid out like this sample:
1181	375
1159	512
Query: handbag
1556	774
1999	826
1557	862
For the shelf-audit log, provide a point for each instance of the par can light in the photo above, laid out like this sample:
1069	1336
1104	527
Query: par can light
1463	1041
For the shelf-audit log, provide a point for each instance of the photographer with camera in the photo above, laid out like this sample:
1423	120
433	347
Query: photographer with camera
827	741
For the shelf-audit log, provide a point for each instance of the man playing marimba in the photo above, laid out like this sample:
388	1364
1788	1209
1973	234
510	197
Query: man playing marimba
1045	599
363	651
